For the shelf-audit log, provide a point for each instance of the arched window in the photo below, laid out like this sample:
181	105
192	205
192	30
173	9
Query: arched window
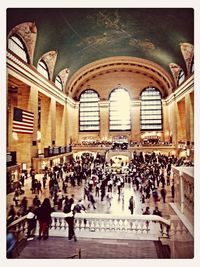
181	77
58	83
43	69
151	109
89	111
120	117
18	47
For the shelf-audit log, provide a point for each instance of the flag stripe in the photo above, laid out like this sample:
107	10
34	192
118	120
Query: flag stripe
20	126
23	121
30	114
27	116
22	131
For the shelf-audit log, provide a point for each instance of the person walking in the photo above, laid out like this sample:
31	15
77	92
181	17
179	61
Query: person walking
91	200
69	218
109	198
163	193
31	221
131	204
43	214
147	212
36	202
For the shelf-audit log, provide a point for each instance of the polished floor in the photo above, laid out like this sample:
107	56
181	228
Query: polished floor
119	205
61	248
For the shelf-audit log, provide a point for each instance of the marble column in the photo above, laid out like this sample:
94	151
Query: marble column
104	120
135	121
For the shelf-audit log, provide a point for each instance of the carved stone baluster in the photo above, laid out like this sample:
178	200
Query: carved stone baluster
123	225
92	226
136	227
62	223
100	225
109	225
132	225
65	224
54	223
114	225
97	225
78	223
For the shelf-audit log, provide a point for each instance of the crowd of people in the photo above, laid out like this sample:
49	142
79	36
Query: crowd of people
148	174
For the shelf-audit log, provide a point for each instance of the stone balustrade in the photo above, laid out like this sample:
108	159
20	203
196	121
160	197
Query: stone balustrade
93	225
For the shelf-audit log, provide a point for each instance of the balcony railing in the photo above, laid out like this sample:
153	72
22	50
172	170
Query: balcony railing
93	225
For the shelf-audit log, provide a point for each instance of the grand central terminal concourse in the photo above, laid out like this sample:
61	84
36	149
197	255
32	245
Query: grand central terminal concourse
100	133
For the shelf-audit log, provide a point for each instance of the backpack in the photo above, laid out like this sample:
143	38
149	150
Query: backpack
67	207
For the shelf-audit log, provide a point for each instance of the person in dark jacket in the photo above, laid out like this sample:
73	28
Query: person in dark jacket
163	193
43	214
69	213
31	221
131	204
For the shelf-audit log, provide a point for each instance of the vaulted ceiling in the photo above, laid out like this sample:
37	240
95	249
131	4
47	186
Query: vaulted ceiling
82	35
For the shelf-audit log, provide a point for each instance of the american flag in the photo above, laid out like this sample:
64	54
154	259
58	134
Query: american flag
22	121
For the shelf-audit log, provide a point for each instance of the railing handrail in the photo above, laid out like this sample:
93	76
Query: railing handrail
14	223
59	214
141	217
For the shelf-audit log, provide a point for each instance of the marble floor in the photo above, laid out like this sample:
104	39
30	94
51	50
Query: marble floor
119	205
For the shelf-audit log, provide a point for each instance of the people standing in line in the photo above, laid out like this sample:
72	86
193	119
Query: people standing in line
43	214
131	204
69	218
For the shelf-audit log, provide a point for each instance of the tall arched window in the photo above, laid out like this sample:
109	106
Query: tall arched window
151	109
58	83
181	77
17	46
120	117
89	111
43	69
